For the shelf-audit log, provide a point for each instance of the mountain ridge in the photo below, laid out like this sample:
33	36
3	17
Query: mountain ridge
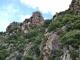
38	39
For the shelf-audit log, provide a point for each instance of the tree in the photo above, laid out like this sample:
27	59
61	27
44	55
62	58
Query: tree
54	24
71	38
3	54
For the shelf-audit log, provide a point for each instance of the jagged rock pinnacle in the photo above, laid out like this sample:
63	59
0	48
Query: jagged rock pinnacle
37	19
75	6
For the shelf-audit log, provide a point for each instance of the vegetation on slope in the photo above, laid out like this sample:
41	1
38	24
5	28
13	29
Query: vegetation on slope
18	41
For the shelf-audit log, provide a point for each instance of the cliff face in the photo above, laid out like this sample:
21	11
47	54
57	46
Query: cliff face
18	40
75	6
37	19
39	39
52	42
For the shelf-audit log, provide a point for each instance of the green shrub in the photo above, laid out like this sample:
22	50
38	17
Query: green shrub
1	47
3	54
39	38
67	18
37	41
10	41
60	53
21	24
18	57
28	58
20	47
50	58
13	36
76	24
46	23
31	33
74	55
12	29
40	57
56	53
34	49
71	38
54	24
21	40
57	58
1	33
42	29
32	39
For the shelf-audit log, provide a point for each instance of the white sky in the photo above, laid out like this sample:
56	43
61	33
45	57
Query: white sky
46	6
9	12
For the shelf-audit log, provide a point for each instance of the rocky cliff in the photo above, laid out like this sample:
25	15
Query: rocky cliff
39	39
37	19
75	6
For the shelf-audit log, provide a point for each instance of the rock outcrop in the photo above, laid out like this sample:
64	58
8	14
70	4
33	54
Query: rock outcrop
66	55
37	19
31	39
52	42
75	6
12	25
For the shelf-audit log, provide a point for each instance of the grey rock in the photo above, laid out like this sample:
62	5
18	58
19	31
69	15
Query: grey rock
51	43
37	19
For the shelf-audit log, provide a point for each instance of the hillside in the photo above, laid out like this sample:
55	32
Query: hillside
38	39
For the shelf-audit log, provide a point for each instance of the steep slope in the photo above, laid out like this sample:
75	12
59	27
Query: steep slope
20	38
39	39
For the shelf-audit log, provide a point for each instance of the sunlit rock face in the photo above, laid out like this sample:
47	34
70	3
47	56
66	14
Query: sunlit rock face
37	18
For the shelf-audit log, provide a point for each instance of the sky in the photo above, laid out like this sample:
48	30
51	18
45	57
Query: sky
18	10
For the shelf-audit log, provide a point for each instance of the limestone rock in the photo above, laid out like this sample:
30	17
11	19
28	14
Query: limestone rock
27	48
12	25
75	6
51	43
13	56
66	55
35	56
36	18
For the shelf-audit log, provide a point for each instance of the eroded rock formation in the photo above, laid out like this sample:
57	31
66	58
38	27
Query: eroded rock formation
75	6
37	19
52	42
